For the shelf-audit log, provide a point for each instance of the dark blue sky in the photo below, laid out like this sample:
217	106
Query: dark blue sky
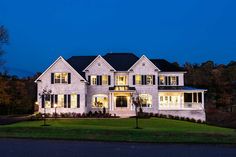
177	30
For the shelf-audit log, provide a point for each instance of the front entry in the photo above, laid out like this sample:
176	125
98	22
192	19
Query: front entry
121	101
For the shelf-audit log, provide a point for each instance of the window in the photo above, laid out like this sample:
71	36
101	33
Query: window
60	77
149	80
93	79
161	98
60	101
73	100
104	79
121	80
173	80
146	100
161	80
100	101
138	79
187	97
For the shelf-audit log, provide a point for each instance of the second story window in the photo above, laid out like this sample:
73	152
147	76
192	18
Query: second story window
149	79
121	80
93	79
162	80
104	79
173	80
60	78
138	79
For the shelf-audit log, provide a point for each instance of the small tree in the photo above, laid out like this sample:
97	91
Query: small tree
137	104
46	93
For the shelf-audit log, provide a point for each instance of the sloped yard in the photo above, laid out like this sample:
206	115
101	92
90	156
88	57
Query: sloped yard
153	130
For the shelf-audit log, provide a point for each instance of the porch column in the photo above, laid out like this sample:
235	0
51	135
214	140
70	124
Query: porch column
203	100
110	101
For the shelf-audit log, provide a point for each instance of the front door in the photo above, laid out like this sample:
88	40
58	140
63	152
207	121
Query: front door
121	101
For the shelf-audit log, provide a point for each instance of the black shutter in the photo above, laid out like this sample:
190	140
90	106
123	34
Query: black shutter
65	101
43	101
133	79
56	99
69	78
143	79
78	101
177	80
98	80
154	79
89	79
52	101
169	80
101	80
69	101
109	80
166	80
158	80
52	78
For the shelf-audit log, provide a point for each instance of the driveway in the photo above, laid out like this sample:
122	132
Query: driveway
56	148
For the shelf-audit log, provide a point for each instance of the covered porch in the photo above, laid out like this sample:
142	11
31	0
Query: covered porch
181	99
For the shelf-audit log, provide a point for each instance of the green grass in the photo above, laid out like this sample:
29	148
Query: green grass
153	130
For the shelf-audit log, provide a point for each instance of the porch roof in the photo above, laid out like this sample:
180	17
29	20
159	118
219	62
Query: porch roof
179	88
122	88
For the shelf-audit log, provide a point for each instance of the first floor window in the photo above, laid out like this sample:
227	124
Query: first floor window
100	101
60	103
73	100
146	100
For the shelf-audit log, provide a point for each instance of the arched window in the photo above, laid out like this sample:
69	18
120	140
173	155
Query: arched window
146	100
100	101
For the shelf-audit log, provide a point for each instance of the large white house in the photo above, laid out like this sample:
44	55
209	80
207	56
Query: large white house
89	83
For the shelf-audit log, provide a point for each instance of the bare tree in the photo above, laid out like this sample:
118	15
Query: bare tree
137	101
46	93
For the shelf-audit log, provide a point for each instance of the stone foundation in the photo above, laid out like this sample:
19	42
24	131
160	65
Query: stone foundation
195	114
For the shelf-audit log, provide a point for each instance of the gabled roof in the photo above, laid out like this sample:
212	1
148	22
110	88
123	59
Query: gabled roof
57	60
99	56
166	66
143	56
121	61
79	63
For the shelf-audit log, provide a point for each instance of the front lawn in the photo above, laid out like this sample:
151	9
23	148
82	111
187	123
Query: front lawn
153	130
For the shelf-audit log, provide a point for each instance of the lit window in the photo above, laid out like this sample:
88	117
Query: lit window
60	77
146	100
93	80
47	101
104	79
162	80
60	102
121	80
138	79
100	101
73	101
161	98
173	80
149	80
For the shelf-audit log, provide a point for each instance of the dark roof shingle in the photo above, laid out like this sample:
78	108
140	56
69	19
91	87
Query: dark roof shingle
121	61
166	66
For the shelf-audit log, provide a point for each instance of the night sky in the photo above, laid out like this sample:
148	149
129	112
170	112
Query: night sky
176	30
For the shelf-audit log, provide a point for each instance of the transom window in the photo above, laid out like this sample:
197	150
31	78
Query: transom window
100	101
146	100
61	77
